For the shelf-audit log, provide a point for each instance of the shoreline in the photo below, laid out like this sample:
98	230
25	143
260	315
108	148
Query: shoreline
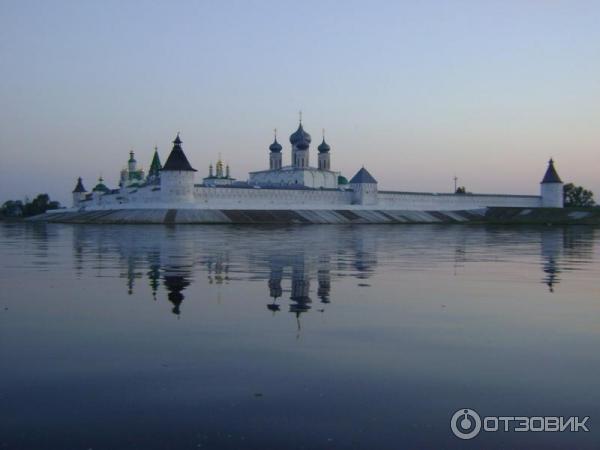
492	215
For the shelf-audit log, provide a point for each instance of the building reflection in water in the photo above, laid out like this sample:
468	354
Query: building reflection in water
218	269
275	290
177	265
309	264
563	250
153	273
552	243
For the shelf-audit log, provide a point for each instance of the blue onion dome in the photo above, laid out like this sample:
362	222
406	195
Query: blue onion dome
299	135
324	147
303	143
275	147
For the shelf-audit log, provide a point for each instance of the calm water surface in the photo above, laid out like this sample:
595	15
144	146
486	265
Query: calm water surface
308	337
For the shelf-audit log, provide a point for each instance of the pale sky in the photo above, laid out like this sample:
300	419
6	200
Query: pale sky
415	91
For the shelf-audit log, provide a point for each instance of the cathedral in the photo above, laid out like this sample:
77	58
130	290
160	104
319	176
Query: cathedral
299	172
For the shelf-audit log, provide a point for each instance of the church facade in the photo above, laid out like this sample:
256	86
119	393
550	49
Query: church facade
297	186
299	172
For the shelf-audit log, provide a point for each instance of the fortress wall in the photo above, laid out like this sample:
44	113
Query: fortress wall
222	197
131	196
295	199
316	199
452	202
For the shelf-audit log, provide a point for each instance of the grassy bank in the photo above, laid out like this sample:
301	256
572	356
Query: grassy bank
551	216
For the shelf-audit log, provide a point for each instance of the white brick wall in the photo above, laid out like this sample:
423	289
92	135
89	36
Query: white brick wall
264	198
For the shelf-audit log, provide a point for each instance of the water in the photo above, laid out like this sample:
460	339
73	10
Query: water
306	337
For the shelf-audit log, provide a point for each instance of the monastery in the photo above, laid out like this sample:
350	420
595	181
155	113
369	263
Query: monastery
299	187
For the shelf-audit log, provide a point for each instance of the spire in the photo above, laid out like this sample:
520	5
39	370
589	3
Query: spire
155	165
551	175
131	156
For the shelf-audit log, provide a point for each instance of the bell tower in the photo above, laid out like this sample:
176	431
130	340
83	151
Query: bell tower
275	153
300	141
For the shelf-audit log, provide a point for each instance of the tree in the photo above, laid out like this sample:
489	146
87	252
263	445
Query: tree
461	190
12	208
577	196
39	205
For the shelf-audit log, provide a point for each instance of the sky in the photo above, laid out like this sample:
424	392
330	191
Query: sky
418	92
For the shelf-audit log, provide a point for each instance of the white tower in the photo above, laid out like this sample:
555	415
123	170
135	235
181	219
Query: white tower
551	188
275	155
78	193
365	188
132	163
324	160
177	176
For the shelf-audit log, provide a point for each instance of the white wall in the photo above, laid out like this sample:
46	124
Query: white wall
177	186
365	194
449	202
265	198
268	198
552	195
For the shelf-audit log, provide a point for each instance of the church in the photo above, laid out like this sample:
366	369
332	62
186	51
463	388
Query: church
299	172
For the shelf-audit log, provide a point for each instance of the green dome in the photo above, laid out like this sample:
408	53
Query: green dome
100	187
342	180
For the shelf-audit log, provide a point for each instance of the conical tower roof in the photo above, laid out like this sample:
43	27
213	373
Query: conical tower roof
155	165
551	175
363	177
177	160
79	187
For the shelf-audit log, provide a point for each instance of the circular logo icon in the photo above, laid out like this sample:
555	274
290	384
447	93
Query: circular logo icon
465	424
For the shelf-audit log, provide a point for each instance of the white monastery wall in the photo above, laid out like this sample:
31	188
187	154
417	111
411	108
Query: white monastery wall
449	202
273	198
270	198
